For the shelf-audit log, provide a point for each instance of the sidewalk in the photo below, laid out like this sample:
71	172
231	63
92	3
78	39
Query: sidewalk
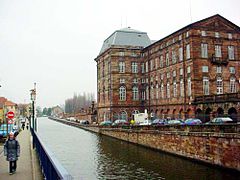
27	165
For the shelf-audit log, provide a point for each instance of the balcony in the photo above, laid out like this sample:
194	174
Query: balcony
218	60
220	98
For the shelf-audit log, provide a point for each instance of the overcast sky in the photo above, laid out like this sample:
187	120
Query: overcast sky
54	42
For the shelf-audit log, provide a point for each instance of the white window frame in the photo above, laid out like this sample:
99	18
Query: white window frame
162	90
180	54
205	69
134	66
157	93
205	85
174	89
219	69
219	85
122	80
217	35
232	70
181	71
218	51
135	93
142	68
203	33
232	85
229	35
167	59
122	93
231	52
121	67
188	55
204	50
189	86
181	88
168	90
189	69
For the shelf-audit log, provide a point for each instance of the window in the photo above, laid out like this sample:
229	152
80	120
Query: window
205	86
188	69
174	73
143	95
217	35
229	36
147	93
219	85
135	80
181	71
156	62
123	115
142	68
135	93
174	59
157	96
162	90
152	92
231	52
180	54
134	67
205	69
121	53
122	67
218	52
167	59
187	34
174	89
151	64
181	88
232	85
204	50
168	75
188	51
134	54
122	80
203	33
162	76
122	93
168	90
219	69
143	80
189	87
146	66
180	37
161	61
232	70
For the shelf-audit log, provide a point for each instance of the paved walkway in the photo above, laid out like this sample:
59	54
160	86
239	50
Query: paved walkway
27	165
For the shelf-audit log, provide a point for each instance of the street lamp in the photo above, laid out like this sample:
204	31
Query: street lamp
33	99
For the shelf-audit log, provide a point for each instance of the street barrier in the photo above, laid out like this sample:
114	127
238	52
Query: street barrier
50	166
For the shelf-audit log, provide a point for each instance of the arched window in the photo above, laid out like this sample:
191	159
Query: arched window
135	93
219	85
122	93
123	115
232	85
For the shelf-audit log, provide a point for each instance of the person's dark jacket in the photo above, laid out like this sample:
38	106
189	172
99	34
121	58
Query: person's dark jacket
11	150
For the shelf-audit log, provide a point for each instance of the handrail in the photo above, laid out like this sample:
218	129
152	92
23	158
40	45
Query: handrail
51	167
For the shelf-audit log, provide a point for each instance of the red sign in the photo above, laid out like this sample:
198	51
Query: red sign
10	115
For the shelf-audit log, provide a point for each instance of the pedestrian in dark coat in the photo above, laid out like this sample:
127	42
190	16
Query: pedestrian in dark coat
12	152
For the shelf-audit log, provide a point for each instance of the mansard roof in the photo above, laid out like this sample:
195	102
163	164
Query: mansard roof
126	37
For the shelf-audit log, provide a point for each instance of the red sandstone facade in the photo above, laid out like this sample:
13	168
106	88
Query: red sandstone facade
193	72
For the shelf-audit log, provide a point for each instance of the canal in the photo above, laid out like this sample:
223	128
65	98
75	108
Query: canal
88	156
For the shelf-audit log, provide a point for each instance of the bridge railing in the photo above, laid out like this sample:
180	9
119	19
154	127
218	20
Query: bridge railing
50	166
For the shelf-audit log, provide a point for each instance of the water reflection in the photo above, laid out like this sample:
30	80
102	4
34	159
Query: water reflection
88	156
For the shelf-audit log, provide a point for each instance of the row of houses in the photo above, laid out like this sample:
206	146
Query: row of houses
193	72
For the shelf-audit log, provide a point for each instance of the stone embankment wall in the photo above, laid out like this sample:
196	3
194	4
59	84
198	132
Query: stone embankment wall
214	144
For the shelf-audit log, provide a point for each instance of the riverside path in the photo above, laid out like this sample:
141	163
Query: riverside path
27	165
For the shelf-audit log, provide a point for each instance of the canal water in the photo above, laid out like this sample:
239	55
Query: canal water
87	156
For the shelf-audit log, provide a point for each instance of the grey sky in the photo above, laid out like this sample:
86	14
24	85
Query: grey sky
54	42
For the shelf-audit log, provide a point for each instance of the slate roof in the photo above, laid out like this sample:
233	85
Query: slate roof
126	37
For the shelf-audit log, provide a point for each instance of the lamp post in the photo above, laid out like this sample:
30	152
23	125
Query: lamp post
33	99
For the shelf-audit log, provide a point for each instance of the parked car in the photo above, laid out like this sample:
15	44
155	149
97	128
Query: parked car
106	123
220	120
84	122
159	122
120	122
4	131
146	122
175	122
192	121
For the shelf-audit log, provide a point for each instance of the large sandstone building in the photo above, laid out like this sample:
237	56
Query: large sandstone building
193	72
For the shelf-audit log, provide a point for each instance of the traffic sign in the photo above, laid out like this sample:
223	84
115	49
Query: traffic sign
10	121
10	115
